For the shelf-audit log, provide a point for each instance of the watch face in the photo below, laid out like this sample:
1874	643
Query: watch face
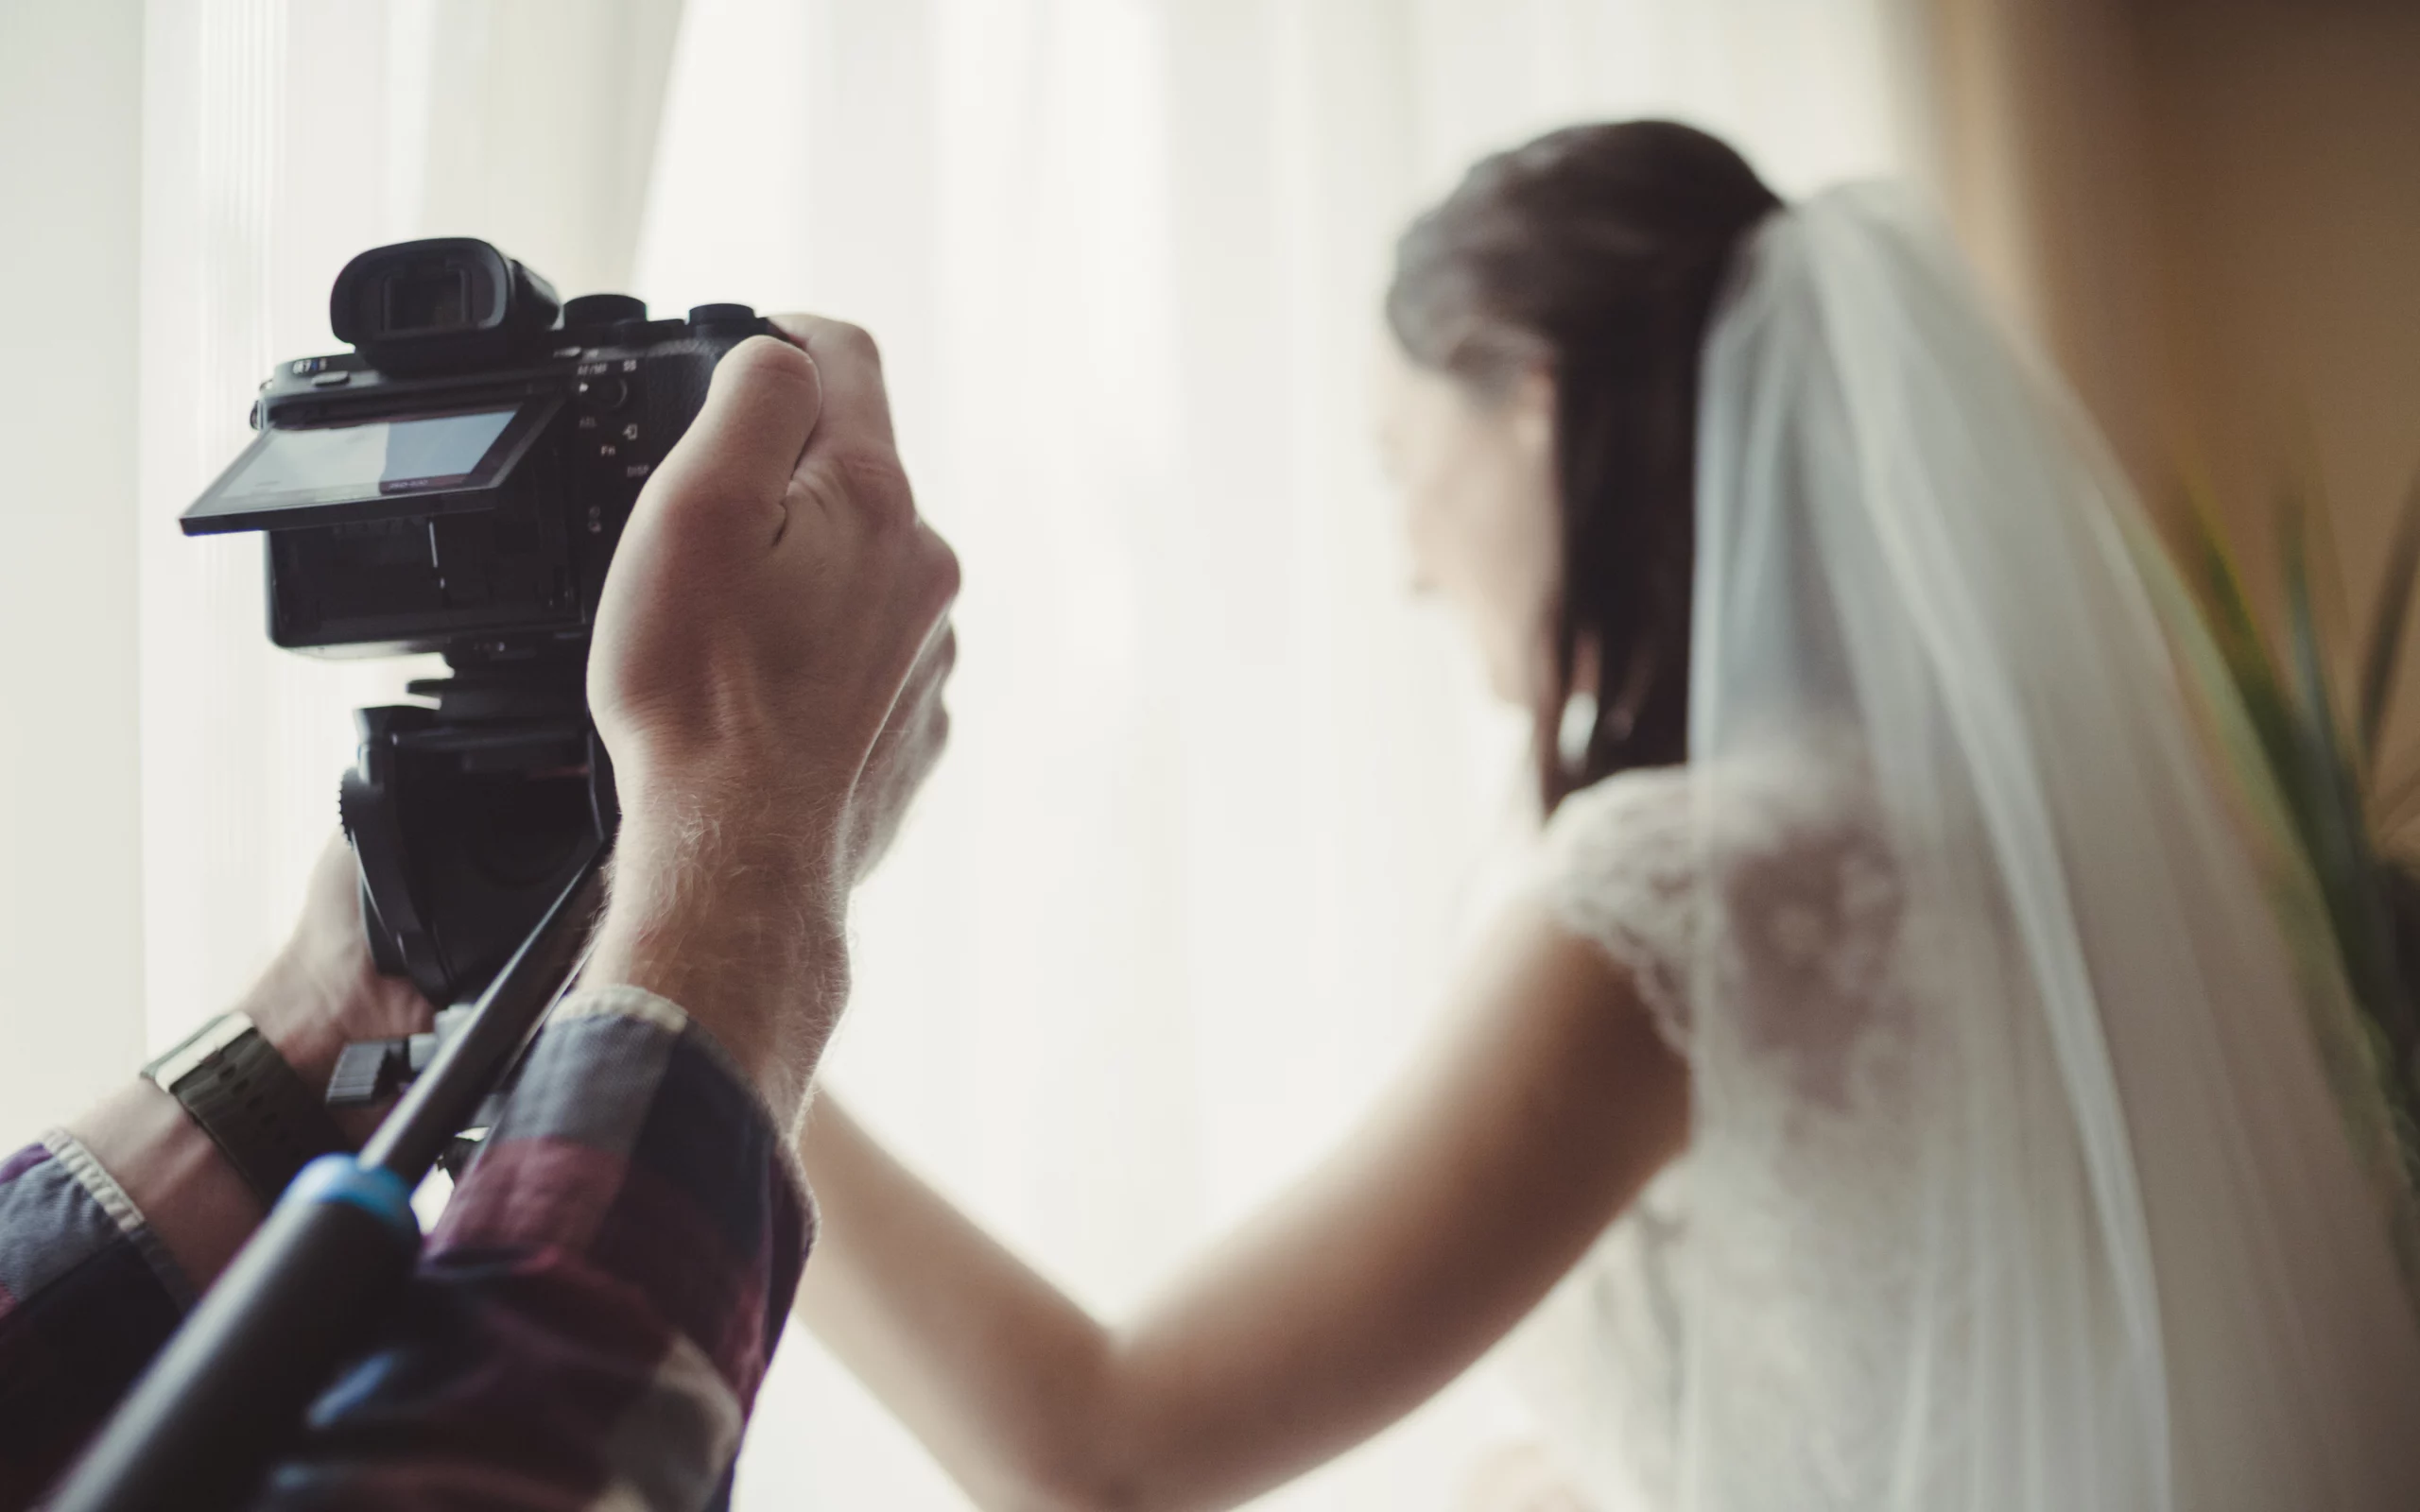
190	1053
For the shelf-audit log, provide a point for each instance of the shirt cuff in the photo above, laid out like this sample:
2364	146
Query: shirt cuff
87	1295
132	1229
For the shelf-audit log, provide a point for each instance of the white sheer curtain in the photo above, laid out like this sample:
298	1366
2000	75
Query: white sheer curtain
1222	795
70	986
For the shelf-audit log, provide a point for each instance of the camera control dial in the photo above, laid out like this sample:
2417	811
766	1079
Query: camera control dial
604	309
602	393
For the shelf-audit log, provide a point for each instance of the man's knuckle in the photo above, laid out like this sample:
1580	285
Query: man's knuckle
768	359
857	342
875	480
942	569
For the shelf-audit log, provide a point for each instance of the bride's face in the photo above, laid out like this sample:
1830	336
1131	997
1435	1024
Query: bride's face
1476	474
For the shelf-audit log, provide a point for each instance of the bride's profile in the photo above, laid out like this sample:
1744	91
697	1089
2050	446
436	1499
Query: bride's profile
1897	1090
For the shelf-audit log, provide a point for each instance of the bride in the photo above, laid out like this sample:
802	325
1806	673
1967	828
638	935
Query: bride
1896	1086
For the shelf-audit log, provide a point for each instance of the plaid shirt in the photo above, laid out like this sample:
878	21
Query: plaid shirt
588	1325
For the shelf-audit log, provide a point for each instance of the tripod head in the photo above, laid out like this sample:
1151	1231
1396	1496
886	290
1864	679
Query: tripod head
468	818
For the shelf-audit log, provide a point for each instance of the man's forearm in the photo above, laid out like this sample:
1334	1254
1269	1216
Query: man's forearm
746	931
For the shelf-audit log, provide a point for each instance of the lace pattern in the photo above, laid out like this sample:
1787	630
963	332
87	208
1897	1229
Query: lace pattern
1768	882
1621	868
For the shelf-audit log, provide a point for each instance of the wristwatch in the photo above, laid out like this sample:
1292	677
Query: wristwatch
251	1104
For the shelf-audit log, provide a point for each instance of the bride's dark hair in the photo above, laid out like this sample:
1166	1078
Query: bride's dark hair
1596	253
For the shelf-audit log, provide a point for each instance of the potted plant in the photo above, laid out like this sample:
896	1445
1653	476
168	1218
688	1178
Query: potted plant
2338	806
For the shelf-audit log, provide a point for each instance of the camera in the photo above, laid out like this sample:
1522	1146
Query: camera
457	483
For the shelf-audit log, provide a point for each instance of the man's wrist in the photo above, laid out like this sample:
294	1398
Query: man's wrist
247	1096
310	1017
746	932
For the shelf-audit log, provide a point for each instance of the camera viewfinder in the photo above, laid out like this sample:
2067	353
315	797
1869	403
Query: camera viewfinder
436	300
446	304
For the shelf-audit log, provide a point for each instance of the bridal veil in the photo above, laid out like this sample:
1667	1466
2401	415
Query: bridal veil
2030	1192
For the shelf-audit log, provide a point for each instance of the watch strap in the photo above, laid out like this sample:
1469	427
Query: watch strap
253	1105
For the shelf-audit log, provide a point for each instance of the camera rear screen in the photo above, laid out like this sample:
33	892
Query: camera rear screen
377	461
376	469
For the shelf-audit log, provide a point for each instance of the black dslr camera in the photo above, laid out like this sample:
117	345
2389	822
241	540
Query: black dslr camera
457	483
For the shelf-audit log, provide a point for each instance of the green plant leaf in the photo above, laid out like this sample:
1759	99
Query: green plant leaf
2218	686
2374	1076
2392	804
2323	571
2401	1035
2329	809
2216	581
2387	620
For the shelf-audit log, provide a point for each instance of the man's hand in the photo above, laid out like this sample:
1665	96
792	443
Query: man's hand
319	994
322	992
767	673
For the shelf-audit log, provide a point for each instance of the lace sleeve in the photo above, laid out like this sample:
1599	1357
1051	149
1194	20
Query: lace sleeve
1621	871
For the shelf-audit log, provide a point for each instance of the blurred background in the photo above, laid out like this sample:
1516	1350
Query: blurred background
1222	798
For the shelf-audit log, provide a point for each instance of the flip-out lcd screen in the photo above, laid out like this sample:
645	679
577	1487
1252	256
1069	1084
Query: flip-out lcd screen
373	470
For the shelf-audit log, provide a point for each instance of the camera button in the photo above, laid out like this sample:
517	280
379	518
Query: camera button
332	379
590	310
602	393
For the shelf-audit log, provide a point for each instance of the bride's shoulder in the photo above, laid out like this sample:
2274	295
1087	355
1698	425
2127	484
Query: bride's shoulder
1625	811
1757	806
1619	866
1784	840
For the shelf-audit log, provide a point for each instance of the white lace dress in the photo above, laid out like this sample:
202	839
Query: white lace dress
1811	893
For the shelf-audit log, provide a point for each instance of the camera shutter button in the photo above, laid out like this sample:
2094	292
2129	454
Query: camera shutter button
722	315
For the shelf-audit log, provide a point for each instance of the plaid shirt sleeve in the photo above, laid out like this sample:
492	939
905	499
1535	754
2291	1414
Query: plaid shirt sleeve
590	1321
87	1296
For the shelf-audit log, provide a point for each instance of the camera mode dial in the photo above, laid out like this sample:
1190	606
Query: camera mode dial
602	309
